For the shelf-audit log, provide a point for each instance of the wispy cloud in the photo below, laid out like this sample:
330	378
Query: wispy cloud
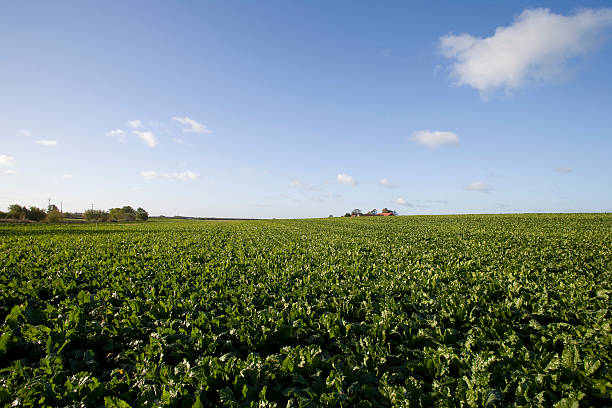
192	126
178	140
183	176
47	142
67	176
564	170
434	139
7	161
479	186
135	124
536	46
24	132
345	179
9	172
180	176
148	174
305	186
290	198
386	183
403	201
147	138
118	134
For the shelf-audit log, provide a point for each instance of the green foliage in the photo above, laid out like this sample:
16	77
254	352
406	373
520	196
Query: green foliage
127	213
436	311
35	214
54	216
17	212
96	215
142	214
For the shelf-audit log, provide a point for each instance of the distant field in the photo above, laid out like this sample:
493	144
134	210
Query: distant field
498	310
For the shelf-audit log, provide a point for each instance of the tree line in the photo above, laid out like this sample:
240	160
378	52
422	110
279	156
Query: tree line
125	213
357	212
53	214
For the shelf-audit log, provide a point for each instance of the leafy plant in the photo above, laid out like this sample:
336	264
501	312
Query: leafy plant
509	310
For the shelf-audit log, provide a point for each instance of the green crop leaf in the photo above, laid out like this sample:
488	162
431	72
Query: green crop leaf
114	402
567	403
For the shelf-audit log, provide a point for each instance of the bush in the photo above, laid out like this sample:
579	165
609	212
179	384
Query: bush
142	214
2	215
17	212
54	216
35	214
127	213
96	215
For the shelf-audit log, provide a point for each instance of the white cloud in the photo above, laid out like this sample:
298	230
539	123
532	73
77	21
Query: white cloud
147	138
536	46
9	172
402	201
345	179
47	142
183	176
135	124
564	170
148	174
180	176
118	134
7	161
192	125
178	140
479	186
67	176
386	183
301	185
24	132
433	139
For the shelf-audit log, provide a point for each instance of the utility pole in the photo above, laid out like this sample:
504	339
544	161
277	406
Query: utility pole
62	207
49	206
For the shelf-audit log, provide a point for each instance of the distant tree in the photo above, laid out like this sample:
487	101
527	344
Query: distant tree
356	211
52	207
96	215
16	212
347	214
372	212
114	214
330	216
35	214
129	213
2	215
125	213
142	214
385	210
54	216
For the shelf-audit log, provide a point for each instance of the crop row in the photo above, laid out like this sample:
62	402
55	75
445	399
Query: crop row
405	311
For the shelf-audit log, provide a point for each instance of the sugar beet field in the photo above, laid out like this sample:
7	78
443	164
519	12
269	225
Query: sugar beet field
441	311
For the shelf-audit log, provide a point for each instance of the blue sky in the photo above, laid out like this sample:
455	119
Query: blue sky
304	109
